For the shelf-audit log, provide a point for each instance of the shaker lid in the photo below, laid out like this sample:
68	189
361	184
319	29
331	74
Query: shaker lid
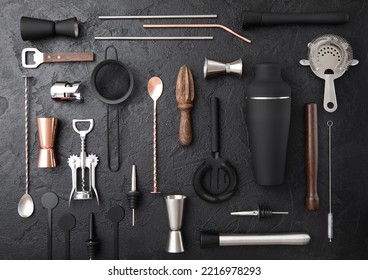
268	83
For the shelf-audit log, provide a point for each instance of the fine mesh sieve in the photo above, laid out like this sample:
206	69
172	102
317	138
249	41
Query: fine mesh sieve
112	82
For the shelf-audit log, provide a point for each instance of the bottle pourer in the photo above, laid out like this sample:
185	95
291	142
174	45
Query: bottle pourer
92	243
133	195
260	213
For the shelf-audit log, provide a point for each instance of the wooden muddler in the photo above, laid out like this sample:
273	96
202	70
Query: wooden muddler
311	155
184	99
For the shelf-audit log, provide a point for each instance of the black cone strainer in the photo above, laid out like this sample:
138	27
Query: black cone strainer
112	82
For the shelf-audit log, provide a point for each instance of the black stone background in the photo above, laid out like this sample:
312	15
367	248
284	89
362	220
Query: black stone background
26	238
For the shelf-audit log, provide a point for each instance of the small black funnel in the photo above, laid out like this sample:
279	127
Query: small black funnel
35	29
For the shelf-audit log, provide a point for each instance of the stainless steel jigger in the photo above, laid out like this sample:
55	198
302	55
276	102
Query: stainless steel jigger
81	162
214	68
175	207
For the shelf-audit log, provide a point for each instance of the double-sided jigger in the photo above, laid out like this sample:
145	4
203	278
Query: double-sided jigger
46	136
212	68
175	207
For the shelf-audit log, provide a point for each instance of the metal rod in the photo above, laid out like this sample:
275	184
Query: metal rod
157	38
330	215
134	188
245	213
158	17
198	26
26	91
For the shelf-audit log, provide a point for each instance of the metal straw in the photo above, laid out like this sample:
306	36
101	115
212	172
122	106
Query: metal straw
157	38
198	26
158	17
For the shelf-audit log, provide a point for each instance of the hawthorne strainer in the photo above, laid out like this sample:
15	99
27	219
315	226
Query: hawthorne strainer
329	56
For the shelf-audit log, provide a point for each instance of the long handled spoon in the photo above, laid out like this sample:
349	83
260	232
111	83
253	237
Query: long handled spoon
26	204
67	223
115	215
155	88
49	201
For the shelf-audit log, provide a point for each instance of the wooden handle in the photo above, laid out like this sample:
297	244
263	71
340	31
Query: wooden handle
68	57
311	155
185	128
184	99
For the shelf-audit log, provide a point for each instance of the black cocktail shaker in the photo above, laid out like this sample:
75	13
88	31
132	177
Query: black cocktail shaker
268	119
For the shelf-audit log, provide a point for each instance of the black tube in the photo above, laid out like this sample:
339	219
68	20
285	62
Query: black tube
215	125
255	19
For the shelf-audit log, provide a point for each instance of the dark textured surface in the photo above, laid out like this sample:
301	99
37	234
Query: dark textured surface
26	238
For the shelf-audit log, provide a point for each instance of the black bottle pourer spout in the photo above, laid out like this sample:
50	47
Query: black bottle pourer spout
35	29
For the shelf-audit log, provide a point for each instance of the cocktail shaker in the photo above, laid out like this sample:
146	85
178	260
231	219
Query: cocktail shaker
268	109
46	135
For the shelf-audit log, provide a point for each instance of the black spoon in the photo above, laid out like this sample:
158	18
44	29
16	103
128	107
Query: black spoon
115	215
67	223
49	201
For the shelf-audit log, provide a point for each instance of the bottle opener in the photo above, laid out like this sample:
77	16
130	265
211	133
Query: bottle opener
39	57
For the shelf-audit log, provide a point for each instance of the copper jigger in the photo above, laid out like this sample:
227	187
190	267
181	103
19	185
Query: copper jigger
46	136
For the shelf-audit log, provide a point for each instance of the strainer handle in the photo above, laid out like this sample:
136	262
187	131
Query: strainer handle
330	101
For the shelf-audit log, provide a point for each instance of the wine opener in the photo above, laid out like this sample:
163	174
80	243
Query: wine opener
82	162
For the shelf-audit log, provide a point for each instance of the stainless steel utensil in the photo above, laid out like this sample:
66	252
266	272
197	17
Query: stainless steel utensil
329	56
175	210
212	68
212	239
206	25
330	215
26	204
64	91
156	38
155	88
158	17
81	162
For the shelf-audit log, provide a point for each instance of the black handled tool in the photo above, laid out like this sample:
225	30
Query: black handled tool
251	18
215	179
67	223
115	215
91	243
49	201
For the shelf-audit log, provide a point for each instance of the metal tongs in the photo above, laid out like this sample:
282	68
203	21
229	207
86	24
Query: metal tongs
83	161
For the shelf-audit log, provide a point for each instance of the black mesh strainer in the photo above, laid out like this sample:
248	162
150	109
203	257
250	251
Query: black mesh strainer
112	82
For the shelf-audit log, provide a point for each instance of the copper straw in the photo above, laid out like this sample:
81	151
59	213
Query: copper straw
197	26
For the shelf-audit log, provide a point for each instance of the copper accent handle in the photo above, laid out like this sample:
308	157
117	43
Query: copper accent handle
155	188
198	26
68	57
311	155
